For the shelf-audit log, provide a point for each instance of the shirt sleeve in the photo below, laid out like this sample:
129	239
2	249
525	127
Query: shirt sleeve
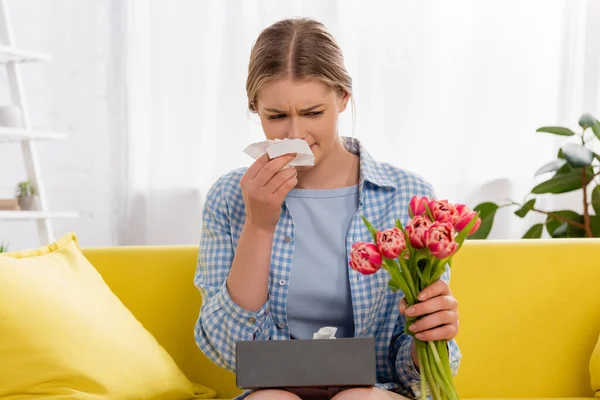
401	354
222	323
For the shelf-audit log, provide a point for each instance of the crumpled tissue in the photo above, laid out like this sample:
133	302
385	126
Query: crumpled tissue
279	147
327	332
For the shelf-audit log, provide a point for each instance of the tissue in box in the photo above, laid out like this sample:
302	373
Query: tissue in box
305	363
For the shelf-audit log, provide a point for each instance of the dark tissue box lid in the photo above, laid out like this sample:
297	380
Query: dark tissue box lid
305	363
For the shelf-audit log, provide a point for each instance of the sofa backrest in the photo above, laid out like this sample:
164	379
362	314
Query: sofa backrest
529	312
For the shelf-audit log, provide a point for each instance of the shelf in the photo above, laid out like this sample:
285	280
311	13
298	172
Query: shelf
11	54
16	135
16	215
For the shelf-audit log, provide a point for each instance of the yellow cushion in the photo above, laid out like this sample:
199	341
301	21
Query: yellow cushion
595	368
64	334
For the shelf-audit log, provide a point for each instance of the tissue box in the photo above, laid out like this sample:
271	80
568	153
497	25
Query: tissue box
305	363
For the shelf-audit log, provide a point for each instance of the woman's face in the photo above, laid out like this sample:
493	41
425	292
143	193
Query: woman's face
302	109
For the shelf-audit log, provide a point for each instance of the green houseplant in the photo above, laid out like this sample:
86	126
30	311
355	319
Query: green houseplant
3	248
575	168
27	195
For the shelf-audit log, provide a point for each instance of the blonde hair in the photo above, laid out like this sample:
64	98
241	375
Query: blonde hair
296	48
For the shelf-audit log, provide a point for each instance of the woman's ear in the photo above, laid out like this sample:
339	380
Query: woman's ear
343	101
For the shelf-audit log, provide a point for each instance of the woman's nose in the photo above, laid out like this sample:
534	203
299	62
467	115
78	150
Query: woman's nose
294	130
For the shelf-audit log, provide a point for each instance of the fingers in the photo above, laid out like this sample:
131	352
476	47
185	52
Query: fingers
446	332
256	167
285	188
434	320
430	306
271	168
438	288
403	306
279	179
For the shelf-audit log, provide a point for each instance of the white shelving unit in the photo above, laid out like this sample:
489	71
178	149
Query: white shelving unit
11	57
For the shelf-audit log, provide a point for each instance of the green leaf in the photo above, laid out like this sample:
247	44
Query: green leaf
560	154
552	225
564	169
577	155
596	128
595	225
371	228
556	130
586	121
522	212
596	199
487	213
562	183
551	166
535	232
393	285
561	231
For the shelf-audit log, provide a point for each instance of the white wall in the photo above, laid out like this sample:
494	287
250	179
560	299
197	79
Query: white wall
81	93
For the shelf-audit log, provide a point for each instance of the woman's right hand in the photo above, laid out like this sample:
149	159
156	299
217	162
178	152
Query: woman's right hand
264	187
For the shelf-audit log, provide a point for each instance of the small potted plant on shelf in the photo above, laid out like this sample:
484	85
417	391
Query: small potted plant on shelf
27	195
3	248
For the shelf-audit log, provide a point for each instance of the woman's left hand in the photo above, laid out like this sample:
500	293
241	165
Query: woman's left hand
439	310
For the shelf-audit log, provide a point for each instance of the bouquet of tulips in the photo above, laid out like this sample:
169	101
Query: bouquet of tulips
415	257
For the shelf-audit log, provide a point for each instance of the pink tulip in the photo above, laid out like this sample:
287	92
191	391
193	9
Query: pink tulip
391	242
466	215
416	229
417	205
365	258
443	211
440	240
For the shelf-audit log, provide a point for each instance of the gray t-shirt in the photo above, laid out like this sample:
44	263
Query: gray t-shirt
319	289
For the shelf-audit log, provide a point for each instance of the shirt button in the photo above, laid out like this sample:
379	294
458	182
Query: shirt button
282	283
287	239
281	325
252	320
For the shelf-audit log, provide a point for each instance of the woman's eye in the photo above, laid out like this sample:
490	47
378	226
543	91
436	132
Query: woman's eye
278	116
314	113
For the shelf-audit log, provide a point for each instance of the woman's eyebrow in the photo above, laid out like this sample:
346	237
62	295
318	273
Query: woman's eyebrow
274	110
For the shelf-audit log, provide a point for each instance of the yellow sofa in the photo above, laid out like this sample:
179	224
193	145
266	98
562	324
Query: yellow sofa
529	312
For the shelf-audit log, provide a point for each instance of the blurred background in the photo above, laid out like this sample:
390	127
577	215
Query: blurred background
151	97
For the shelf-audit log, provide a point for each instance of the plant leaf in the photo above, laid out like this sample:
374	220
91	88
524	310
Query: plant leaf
595	225
586	121
561	231
596	128
552	224
522	212
564	169
551	166
535	232
487	212
556	130
560	154
562	183
371	228
577	155
596	199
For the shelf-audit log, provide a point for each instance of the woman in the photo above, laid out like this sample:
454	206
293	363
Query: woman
273	261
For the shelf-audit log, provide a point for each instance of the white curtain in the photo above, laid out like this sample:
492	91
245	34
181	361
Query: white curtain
451	90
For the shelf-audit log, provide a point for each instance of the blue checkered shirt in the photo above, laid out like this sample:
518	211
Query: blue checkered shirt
384	194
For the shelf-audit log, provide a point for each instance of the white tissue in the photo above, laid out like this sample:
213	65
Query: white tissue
327	332
278	147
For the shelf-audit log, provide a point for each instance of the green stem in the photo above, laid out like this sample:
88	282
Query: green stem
425	366
423	379
440	372
409	279
445	357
